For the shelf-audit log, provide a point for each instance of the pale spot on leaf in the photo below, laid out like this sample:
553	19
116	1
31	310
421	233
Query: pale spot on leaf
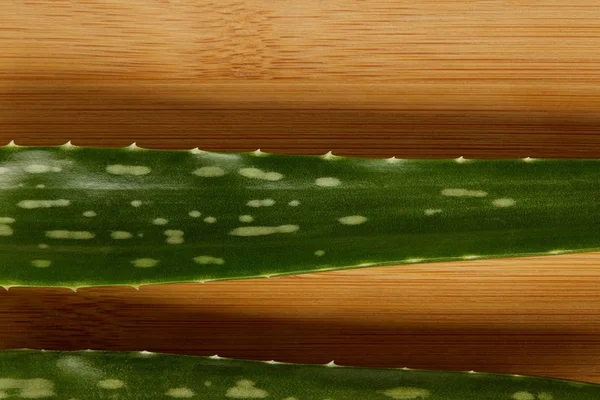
246	218
111	384
37	169
7	220
522	396
245	389
63	234
209	172
180	393
263	230
28	388
502	203
145	262
261	203
432	211
194	213
89	214
320	253
74	365
463	193
174	236
41	263
327	181
210	220
136	203
352	220
137	170
30	204
209	260
256	173
121	235
407	393
294	203
5	230
160	221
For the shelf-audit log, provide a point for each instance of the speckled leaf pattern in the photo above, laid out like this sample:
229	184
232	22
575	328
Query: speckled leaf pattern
74	216
91	375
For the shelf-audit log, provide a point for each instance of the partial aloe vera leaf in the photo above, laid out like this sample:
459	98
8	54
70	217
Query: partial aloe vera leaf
94	375
74	216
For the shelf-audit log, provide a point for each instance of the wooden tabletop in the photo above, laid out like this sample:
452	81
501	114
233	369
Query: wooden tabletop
481	79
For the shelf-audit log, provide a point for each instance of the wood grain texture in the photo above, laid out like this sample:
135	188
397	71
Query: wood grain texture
375	78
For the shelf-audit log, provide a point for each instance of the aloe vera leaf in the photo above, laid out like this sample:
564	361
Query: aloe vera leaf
75	216
142	375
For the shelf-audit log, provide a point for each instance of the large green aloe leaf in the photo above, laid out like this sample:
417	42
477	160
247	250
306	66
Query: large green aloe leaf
74	216
94	375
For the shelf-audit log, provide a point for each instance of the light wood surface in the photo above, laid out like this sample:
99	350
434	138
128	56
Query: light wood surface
370	78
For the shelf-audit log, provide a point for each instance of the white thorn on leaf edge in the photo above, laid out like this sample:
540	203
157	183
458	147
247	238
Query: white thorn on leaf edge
215	357
461	160
393	160
331	364
133	146
12	144
196	150
330	156
68	146
558	251
259	153
528	159
272	362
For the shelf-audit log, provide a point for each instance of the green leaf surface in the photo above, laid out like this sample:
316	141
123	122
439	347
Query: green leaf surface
91	375
74	216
